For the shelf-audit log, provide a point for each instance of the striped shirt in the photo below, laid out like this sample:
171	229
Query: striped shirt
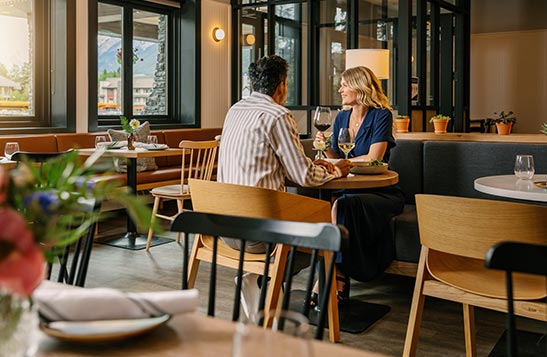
260	147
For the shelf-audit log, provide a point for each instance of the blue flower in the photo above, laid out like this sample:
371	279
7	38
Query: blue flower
47	201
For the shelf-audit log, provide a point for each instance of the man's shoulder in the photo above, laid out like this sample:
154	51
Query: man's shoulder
261	105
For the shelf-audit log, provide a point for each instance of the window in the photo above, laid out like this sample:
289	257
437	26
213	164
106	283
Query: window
139	69
34	78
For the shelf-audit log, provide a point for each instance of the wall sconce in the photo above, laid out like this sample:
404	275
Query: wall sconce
218	34
377	60
249	39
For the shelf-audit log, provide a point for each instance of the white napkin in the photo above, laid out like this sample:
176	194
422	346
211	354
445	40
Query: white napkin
58	302
113	144
150	146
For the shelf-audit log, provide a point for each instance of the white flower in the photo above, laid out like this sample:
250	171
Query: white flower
134	124
319	145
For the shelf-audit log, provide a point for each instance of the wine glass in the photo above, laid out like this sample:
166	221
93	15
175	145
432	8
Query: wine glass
345	141
322	119
524	167
10	149
152	139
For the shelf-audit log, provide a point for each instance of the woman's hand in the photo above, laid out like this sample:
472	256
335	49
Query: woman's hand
319	136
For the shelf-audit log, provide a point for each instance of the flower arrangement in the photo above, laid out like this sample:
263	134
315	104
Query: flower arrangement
322	145
130	127
119	56
439	117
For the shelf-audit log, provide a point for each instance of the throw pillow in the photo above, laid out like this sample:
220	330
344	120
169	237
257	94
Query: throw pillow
143	164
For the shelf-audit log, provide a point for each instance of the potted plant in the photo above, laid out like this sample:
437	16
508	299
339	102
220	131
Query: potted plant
440	122
401	123
544	129
504	122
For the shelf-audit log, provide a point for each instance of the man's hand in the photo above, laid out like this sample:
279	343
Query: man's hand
328	165
344	166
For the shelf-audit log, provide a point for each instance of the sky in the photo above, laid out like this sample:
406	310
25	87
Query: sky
13	41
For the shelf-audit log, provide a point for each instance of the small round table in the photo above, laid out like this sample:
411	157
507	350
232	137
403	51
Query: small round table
512	187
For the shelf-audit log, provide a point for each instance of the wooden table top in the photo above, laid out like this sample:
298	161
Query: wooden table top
355	181
134	154
194	335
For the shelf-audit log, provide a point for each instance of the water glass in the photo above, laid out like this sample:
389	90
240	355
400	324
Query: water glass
10	149
152	139
100	139
524	167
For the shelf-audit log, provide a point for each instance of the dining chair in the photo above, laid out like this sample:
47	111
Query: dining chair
516	257
198	162
456	233
73	259
257	202
316	237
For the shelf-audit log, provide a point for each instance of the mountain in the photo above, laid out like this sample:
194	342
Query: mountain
146	52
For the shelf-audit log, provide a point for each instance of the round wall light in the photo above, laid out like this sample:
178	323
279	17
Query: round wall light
250	39
218	34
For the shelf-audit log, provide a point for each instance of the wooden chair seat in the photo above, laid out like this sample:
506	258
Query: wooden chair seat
471	275
228	252
171	191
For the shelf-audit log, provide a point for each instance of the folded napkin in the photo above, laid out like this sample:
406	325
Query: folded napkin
151	146
113	144
57	302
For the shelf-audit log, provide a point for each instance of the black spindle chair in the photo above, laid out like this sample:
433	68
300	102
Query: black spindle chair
316	237
521	258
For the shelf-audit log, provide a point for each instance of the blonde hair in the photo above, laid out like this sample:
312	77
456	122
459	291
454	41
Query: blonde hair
368	88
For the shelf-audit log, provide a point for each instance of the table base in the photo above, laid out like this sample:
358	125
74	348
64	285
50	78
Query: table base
529	344
132	241
355	315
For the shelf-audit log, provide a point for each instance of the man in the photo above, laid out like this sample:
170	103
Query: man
260	146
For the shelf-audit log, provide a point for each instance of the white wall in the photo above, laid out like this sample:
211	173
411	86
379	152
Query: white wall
509	72
215	64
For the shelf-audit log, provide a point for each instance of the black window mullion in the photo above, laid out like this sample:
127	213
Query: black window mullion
127	70
404	43
421	55
447	68
434	72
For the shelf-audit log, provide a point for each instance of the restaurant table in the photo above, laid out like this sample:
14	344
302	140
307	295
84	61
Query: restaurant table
511	187
132	239
355	315
193	335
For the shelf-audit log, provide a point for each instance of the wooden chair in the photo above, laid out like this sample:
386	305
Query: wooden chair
456	233
323	237
198	160
248	201
516	257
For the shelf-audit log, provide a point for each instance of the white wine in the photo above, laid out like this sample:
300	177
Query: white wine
346	147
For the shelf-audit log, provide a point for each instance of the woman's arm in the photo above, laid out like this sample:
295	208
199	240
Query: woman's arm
376	152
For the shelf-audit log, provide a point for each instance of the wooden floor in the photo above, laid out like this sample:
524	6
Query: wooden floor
442	329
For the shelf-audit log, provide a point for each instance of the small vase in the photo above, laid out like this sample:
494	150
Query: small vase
131	141
504	128
18	326
402	125
440	126
320	155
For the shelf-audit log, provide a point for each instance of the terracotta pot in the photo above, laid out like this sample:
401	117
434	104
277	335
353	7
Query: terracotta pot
402	125
440	126
504	129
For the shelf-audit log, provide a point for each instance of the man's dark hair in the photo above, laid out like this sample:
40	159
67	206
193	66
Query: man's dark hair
267	73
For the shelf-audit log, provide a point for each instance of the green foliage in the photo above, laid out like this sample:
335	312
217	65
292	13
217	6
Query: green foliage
104	75
402	117
439	117
378	162
544	128
504	118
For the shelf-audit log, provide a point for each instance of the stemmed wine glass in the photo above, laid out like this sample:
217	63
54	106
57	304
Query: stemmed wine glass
345	141
10	149
322	119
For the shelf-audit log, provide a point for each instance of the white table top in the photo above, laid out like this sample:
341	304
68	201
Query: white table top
512	187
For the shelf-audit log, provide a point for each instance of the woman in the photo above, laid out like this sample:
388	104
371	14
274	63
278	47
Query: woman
366	213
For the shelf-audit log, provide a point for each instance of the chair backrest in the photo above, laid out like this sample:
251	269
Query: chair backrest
516	257
314	236
249	201
198	160
468	227
73	260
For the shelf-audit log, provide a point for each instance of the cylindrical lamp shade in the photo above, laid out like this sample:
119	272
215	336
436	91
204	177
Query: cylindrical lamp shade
377	60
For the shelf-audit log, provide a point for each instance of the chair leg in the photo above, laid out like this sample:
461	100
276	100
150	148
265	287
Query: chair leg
332	314
469	330
193	265
152	220
277	272
180	205
416	309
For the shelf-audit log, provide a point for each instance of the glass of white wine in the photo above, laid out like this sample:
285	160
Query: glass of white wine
345	141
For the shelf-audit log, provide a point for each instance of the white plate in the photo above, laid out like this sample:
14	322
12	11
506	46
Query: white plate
157	149
365	169
102	330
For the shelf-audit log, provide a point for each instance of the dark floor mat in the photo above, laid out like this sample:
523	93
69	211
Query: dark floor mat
530	344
